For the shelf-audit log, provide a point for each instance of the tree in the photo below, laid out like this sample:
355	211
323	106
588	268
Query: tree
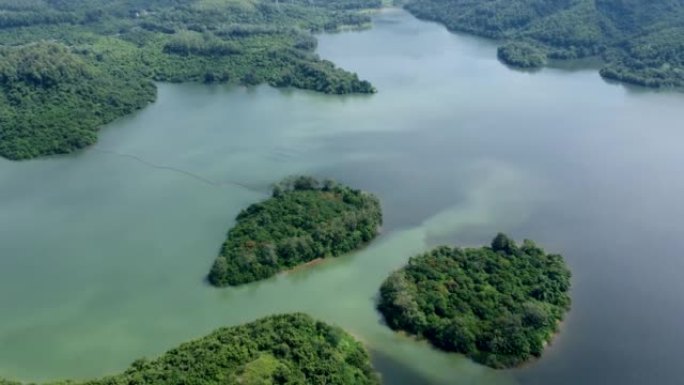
502	243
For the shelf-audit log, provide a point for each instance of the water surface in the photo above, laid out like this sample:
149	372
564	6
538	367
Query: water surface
103	253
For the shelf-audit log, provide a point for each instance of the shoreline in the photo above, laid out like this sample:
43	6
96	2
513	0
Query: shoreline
311	263
523	365
546	344
320	260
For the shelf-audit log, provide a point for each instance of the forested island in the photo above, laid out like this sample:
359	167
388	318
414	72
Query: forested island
498	305
304	220
640	41
70	66
280	349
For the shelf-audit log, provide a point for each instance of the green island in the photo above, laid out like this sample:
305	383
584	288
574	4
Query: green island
498	305
280	349
71	66
640	41
304	220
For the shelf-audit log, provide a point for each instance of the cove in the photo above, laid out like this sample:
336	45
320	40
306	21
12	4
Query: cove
103	253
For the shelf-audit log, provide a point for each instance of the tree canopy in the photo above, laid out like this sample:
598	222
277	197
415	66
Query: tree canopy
521	54
304	220
52	100
498	305
289	349
640	40
109	51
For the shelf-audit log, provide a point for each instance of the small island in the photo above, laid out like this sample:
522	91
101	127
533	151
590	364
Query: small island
499	305
280	349
304	220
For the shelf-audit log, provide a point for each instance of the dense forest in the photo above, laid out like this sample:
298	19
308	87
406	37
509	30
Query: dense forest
304	220
641	41
52	101
281	349
499	305
71	65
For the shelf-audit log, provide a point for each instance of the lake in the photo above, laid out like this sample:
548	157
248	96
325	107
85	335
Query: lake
103	253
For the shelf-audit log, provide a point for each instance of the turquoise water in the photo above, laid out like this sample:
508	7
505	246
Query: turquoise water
103	253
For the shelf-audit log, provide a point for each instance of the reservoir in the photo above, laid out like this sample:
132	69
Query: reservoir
103	253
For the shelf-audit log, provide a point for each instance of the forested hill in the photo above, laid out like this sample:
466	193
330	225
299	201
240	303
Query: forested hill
120	46
290	349
641	41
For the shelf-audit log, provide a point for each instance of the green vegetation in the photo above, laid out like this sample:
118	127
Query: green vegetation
282	349
521	55
498	305
639	40
52	101
303	221
71	66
